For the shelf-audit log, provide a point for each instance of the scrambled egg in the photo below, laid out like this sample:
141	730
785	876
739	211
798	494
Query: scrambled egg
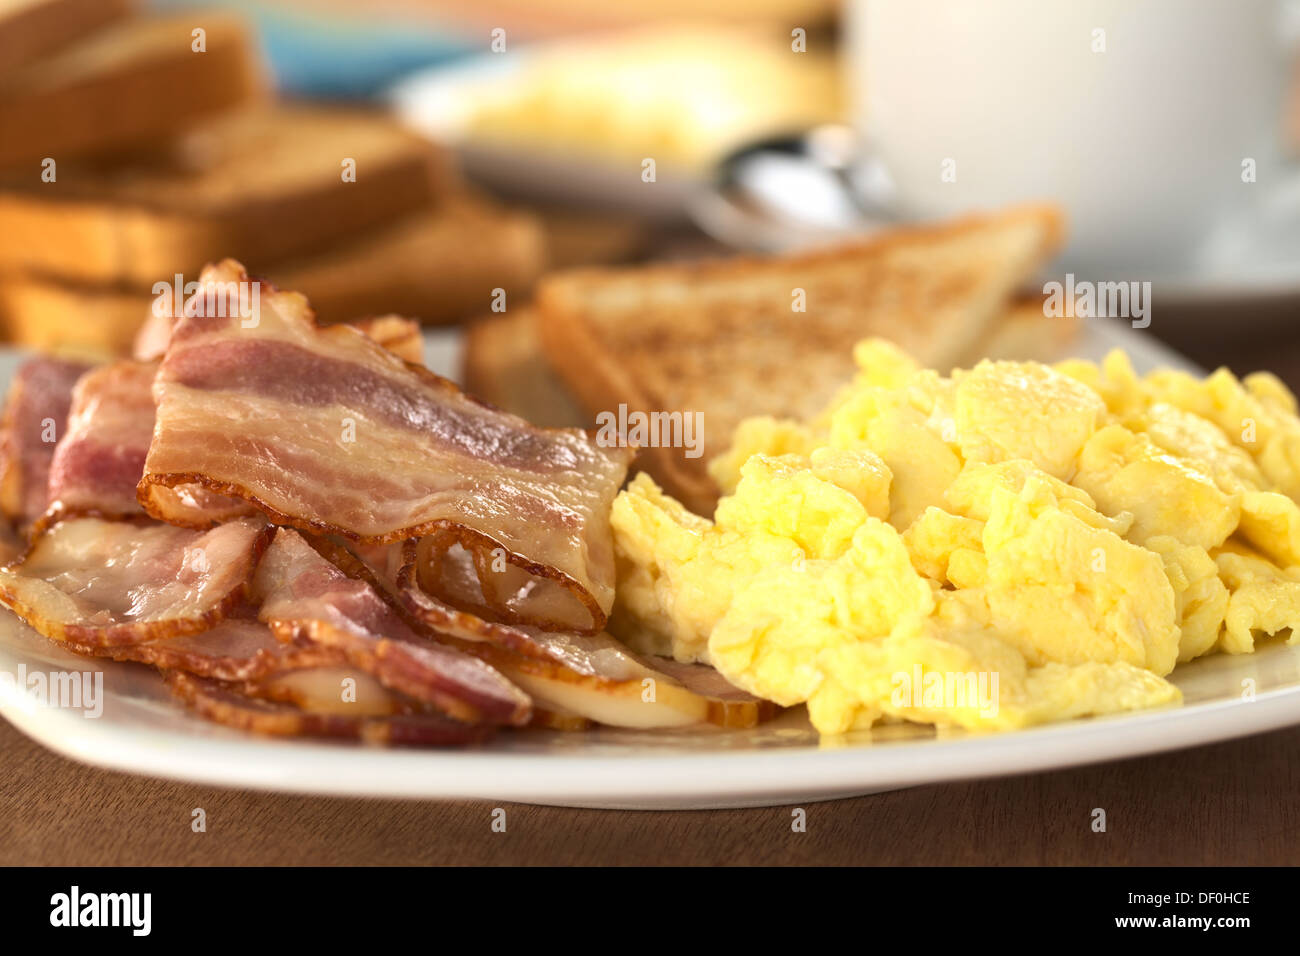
1014	544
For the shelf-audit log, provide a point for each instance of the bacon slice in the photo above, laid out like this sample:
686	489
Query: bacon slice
572	675
559	720
453	569
100	459
326	431
223	704
236	649
98	463
35	415
596	677
153	335
11	545
729	706
332	688
398	334
400	575
303	595
106	583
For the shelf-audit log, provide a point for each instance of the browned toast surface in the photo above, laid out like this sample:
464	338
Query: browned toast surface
439	265
726	338
1027	333
503	363
265	182
137	80
31	29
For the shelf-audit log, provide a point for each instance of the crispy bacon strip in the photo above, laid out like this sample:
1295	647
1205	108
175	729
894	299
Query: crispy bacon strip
399	335
559	720
236	649
153	335
332	688
303	595
592	676
596	677
11	545
223	704
100	459
98	463
111	583
729	706
326	431
454	570
35	415
400	576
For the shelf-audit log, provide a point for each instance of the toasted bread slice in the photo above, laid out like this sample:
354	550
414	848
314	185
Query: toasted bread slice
580	238
137	80
31	29
1027	333
726	339
437	266
502	362
52	316
266	183
398	334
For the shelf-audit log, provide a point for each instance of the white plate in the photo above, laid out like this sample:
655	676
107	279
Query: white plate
142	730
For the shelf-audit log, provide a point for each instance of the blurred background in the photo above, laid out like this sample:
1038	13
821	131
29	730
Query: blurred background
491	141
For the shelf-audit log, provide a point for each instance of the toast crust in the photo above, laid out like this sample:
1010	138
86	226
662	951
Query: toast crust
32	30
600	383
133	82
503	365
1046	215
266	182
436	266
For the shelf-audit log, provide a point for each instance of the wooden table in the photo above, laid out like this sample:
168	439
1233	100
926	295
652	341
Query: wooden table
1231	803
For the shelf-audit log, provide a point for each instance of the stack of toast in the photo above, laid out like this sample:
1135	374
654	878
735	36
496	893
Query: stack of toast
135	149
735	338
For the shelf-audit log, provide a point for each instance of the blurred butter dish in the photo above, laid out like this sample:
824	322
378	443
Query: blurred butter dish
577	121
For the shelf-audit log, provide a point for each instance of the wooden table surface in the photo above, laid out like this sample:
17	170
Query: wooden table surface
1230	803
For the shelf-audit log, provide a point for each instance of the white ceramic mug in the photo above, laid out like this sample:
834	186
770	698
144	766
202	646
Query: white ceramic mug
1145	119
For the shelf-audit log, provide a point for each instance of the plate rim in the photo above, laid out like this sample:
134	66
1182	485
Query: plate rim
664	781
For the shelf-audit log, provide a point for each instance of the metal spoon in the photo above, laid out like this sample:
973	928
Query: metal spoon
795	191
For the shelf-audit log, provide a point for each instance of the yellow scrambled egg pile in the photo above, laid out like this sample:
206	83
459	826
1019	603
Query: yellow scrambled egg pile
1014	544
